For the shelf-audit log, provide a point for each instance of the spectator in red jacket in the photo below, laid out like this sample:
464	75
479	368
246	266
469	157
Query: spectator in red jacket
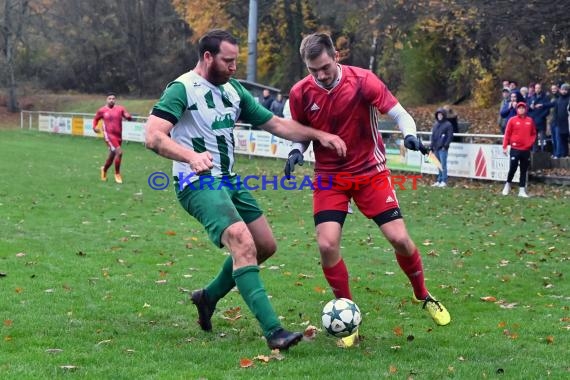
520	134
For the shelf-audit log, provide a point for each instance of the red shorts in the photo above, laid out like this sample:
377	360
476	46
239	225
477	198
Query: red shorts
113	142
373	194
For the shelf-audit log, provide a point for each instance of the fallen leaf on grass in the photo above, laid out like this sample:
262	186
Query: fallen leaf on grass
54	350
549	339
7	322
510	335
245	363
20	254
310	333
160	282
170	233
489	299
392	369
104	342
398	331
320	290
232	314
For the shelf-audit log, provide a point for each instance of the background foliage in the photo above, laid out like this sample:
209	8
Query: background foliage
427	51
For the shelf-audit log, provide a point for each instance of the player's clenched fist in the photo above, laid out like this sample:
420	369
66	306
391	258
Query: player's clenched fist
201	162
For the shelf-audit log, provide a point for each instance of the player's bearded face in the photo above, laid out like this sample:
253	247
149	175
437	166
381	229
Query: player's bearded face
324	69
223	65
110	101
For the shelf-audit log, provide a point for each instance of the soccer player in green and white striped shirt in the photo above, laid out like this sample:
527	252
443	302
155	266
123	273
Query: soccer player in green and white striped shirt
199	111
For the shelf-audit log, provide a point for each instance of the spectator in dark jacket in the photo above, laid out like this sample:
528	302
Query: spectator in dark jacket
267	99
538	108
441	137
510	109
561	115
552	123
277	106
502	121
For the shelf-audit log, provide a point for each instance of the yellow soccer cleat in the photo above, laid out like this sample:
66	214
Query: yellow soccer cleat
436	310
349	341
118	178
103	174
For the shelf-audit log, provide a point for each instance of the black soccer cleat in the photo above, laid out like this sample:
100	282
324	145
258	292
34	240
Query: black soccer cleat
283	339
205	311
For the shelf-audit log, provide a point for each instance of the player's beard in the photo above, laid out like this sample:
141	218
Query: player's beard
218	76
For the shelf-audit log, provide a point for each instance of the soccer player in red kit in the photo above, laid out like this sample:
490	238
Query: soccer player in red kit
347	100
112	115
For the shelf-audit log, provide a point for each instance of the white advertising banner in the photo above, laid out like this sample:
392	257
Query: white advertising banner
482	161
133	131
54	124
261	143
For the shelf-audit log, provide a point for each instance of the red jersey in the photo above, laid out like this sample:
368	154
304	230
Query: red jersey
520	133
112	120
350	110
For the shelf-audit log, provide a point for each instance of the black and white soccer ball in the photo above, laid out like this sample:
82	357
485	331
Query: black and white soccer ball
341	317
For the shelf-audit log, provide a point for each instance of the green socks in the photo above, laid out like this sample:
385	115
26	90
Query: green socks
251	289
222	284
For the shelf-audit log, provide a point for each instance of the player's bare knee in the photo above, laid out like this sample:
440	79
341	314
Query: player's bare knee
240	243
327	247
266	250
400	242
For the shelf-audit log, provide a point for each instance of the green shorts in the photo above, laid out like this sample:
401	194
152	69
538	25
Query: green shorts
218	205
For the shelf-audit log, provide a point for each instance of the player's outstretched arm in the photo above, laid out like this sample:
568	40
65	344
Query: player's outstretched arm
291	130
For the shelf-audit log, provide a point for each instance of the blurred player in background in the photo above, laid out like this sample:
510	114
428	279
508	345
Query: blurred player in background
347	100
112	116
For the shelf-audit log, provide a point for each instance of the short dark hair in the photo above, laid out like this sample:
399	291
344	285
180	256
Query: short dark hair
314	44
211	41
111	93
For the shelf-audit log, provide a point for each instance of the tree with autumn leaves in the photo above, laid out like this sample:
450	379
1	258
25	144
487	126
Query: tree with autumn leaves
427	51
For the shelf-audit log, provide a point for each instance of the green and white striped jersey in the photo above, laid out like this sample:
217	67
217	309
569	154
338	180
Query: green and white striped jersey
206	117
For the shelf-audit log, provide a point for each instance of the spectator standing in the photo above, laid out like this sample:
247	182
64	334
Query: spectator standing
267	99
277	106
561	115
524	93
519	135
539	106
502	121
441	137
510	109
552	122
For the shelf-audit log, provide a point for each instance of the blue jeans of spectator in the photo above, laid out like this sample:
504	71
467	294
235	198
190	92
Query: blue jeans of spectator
562	145
442	157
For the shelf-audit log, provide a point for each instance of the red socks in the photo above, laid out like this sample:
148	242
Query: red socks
337	277
413	268
118	163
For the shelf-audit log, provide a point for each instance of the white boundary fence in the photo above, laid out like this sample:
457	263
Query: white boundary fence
480	157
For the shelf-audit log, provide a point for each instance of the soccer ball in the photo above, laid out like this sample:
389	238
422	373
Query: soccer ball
341	317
